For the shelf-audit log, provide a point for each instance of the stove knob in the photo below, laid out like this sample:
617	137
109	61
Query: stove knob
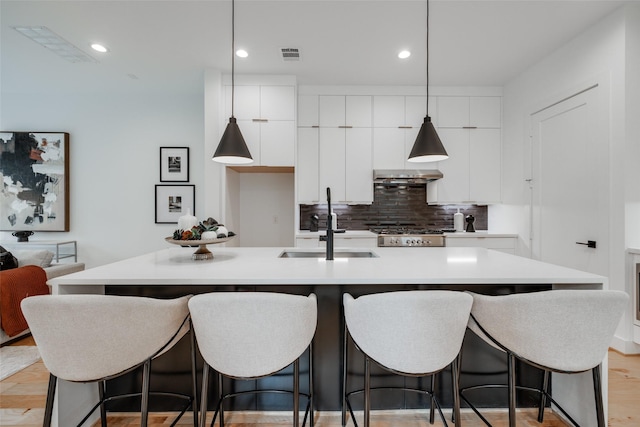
419	242
427	242
412	242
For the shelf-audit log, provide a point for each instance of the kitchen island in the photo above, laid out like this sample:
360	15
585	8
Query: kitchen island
172	272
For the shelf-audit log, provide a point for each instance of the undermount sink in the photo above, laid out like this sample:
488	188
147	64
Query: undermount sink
339	253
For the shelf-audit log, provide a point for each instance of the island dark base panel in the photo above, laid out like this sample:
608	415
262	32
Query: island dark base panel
481	364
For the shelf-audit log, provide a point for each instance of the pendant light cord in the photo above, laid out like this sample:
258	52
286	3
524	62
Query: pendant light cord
233	48
427	58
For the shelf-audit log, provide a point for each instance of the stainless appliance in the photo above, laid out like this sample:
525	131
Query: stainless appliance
394	177
410	238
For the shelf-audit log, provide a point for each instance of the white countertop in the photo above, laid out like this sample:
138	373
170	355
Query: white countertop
478	233
261	266
347	233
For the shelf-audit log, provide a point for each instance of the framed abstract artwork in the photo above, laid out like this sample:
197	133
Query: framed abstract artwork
174	164
173	201
34	167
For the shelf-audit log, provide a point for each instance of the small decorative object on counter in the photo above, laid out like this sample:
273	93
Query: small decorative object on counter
187	221
201	235
470	228
313	223
458	221
23	236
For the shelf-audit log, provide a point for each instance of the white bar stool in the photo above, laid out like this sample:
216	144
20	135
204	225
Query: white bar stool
93	338
564	331
410	333
249	335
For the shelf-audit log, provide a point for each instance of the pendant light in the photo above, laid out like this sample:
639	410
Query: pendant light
428	147
232	149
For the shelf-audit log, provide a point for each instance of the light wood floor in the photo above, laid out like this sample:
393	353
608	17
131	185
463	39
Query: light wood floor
22	399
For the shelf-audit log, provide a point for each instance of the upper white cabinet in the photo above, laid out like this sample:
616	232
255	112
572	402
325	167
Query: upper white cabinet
266	116
396	121
470	129
334	149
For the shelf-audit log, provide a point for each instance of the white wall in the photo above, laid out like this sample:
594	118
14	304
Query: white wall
114	162
598	55
266	209
632	162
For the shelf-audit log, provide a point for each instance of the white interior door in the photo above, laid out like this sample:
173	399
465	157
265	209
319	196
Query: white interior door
570	182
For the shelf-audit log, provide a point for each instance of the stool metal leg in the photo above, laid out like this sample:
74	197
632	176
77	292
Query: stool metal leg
103	410
311	394
543	396
367	391
51	394
203	396
455	374
345	343
220	391
511	383
597	388
296	393
432	409
194	375
144	407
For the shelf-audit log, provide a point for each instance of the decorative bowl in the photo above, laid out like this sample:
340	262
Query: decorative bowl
202	253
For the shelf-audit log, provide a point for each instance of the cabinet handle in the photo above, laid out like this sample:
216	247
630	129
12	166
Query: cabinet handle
405	127
261	120
469	127
315	126
590	243
345	127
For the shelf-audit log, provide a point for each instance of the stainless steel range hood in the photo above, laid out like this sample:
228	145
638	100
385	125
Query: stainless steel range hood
405	177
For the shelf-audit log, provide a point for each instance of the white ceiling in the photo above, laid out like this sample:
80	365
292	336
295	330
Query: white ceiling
168	44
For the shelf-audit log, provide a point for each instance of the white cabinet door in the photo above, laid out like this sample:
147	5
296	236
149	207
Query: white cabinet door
454	186
485	111
246	104
416	110
453	111
331	111
308	110
354	242
277	103
358	111
251	134
308	242
332	169
359	160
484	162
502	244
307	166
388	111
388	148
266	117
277	139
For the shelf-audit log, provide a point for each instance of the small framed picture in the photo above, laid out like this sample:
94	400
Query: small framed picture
173	201
174	164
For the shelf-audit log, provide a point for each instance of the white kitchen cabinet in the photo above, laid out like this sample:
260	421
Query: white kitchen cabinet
344	154
266	117
469	128
307	166
339	147
308	108
344	111
502	243
397	121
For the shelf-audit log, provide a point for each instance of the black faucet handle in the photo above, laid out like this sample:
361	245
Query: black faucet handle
328	194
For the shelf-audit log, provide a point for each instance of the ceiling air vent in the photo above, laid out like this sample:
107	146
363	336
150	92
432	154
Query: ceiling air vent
290	53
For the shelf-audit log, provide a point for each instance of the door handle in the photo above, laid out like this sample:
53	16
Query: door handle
590	243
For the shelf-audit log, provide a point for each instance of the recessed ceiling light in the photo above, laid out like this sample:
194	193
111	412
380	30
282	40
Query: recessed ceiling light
98	47
404	54
242	53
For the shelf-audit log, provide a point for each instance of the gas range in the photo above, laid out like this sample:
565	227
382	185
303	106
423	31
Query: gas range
401	237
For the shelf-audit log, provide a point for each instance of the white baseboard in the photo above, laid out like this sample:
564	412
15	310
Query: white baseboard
624	346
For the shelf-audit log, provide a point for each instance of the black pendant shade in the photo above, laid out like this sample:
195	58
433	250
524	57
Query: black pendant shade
232	148
428	147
